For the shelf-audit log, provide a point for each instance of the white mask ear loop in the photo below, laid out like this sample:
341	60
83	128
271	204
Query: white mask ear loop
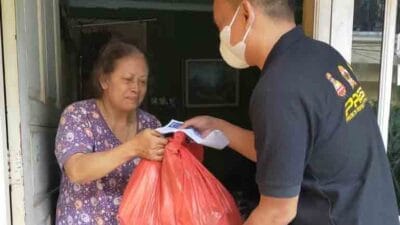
246	34
234	16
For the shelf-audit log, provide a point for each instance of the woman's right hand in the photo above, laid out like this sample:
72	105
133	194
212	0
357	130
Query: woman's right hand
149	144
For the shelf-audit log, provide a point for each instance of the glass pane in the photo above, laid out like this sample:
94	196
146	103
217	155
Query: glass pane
367	44
368	15
394	125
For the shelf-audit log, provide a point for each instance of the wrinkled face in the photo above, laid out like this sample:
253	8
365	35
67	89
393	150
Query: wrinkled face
126	86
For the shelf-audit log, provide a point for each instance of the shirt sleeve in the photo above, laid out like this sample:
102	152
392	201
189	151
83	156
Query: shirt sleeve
74	134
281	127
156	123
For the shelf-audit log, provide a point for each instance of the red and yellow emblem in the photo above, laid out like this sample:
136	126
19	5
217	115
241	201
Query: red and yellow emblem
339	87
346	75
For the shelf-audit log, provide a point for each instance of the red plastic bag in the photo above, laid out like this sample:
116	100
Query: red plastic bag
177	191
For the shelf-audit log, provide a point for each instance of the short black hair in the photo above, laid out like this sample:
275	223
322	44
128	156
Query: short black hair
280	9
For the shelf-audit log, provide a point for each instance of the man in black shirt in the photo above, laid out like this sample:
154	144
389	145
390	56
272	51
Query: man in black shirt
319	153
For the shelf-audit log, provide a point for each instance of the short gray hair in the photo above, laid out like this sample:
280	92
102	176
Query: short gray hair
106	61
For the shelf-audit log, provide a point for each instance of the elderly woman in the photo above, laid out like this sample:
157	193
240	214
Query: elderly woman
100	141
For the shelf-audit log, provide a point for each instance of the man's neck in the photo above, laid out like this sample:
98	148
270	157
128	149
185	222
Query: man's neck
271	34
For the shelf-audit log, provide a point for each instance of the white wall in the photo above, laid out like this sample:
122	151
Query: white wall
334	24
4	175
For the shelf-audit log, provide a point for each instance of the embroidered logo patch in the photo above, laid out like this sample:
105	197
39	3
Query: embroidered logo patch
339	87
346	75
355	98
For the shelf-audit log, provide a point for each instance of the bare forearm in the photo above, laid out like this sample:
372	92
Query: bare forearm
83	168
241	140
273	211
267	219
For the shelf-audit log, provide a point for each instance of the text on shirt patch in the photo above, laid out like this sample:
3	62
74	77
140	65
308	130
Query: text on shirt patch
355	104
357	99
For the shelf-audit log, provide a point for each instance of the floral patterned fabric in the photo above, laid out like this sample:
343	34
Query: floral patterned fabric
82	129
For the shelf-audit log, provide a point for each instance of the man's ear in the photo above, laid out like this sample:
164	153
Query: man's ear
248	10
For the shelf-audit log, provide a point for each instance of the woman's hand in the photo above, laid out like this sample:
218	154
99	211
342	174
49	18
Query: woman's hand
149	144
82	168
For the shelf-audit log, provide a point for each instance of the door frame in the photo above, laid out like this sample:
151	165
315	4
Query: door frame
386	74
13	116
333	24
5	215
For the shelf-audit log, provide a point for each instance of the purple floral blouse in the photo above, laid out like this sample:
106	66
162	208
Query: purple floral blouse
82	129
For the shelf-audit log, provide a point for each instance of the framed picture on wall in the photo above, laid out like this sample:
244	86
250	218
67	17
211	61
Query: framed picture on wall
210	83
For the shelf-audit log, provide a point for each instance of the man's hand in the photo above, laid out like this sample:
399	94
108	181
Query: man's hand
203	124
241	140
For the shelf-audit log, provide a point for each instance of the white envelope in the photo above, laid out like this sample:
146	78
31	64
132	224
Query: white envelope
215	139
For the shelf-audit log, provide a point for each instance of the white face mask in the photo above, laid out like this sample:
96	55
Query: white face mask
233	55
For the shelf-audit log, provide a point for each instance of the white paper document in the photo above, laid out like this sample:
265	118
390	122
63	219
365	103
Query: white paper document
215	139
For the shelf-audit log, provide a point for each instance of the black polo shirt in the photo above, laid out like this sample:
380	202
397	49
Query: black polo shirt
317	137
